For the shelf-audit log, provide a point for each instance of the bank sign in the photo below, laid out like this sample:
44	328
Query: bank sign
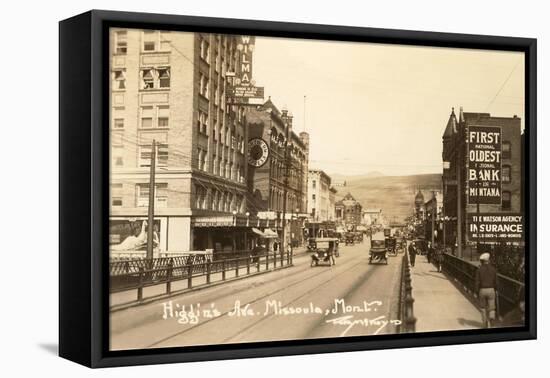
486	227
484	165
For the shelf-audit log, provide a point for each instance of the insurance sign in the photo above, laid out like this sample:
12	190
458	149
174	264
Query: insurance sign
493	227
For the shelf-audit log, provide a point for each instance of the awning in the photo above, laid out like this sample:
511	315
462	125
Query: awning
258	232
269	233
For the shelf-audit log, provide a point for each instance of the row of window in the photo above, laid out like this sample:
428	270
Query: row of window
142	195
144	156
217	200
152	41
150	78
154	116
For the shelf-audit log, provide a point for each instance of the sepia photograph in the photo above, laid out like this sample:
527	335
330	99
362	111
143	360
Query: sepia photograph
270	189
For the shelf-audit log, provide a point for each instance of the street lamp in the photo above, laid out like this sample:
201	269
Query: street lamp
234	230
246	231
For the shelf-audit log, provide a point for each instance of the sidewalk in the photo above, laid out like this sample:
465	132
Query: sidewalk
438	304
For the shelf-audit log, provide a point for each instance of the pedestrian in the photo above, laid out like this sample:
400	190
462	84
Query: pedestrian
431	252
438	258
412	253
486	283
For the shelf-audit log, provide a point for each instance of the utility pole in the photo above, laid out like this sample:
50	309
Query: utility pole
434	212
285	187
151	209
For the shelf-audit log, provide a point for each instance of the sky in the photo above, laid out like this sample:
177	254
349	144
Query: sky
383	108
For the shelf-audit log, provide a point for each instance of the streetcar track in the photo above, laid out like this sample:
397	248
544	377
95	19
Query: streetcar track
225	313
351	292
366	275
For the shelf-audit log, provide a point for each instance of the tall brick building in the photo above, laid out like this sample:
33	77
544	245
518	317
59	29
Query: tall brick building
285	161
171	87
503	156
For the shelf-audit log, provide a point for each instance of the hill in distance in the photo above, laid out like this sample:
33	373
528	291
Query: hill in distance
393	194
337	177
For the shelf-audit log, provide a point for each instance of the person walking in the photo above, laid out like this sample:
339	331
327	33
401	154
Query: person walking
438	259
412	253
486	283
431	252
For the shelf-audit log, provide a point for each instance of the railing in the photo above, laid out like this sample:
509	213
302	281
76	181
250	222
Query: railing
406	300
142	273
510	291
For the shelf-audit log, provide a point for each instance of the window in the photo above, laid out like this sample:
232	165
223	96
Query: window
149	40
215	164
163	116
121	42
119	79
215	200
161	155
164	78
202	122
203	85
155	78
506	200
205	50
161	195
116	202
116	156
155	116
147	117
506	174
200	197
118	123
313	184
506	150
156	40
116	195
118	117
201	159
313	197
148	81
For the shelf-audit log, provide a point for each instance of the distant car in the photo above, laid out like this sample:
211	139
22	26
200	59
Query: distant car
378	252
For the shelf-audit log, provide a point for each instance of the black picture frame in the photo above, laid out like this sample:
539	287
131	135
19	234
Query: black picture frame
84	169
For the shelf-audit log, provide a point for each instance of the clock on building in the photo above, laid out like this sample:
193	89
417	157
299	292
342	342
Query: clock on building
258	152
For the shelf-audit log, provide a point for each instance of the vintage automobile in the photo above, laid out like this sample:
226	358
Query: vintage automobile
325	251
421	246
349	238
378	251
391	245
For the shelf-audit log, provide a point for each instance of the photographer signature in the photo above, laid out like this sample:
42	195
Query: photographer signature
348	320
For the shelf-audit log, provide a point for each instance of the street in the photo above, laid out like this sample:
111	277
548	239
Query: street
301	302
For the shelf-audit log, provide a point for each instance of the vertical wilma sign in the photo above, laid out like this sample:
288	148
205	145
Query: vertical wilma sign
484	165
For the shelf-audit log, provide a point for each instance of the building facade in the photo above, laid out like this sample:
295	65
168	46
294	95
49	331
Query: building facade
172	88
349	211
319	196
433	211
482	175
277	175
372	216
332	203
